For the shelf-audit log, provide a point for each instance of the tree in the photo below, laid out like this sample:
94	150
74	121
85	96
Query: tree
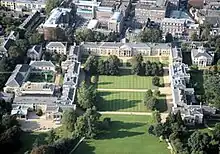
9	121
112	37
14	51
137	66
156	81
150	35
205	34
194	36
39	112
51	136
86	96
84	35
5	107
156	116
35	38
199	142
22	44
95	79
51	4
10	140
152	103
91	65
113	63
168	38
87	125
159	130
156	93
101	67
43	149
69	119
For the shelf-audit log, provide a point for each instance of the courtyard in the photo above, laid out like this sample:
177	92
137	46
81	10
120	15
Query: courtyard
41	77
127	135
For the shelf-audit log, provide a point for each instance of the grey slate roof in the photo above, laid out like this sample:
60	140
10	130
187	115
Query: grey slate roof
56	44
42	63
36	48
196	53
17	77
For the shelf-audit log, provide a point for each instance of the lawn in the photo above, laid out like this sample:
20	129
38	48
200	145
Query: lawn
128	135
126	102
126	82
41	77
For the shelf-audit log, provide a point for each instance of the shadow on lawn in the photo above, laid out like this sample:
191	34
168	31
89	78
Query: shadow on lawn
105	83
120	129
117	104
162	106
85	148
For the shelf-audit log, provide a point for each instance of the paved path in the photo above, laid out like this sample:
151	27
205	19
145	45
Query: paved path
123	90
57	80
163	115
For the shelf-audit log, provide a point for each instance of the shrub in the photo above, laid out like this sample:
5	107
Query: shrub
156	93
156	81
39	112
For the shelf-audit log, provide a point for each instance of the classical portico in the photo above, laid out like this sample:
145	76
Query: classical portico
125	51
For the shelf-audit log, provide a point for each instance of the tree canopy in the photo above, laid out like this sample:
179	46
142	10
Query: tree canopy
86	96
150	35
69	119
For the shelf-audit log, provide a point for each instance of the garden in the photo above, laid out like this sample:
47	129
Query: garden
41	77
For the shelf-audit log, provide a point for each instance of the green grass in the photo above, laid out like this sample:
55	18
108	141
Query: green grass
41	77
126	82
128	135
126	102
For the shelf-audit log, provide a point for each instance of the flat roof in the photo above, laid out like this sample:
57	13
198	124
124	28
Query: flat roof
92	24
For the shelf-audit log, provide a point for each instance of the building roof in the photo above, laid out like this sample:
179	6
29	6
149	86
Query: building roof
54	18
196	3
29	20
7	44
41	63
18	75
201	52
35	48
116	16
6	96
130	45
56	45
92	24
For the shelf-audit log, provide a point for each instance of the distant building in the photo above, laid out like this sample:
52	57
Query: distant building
32	22
176	27
192	112
59	20
42	65
125	49
72	56
5	46
201	57
145	11
35	52
116	22
57	47
18	76
24	5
